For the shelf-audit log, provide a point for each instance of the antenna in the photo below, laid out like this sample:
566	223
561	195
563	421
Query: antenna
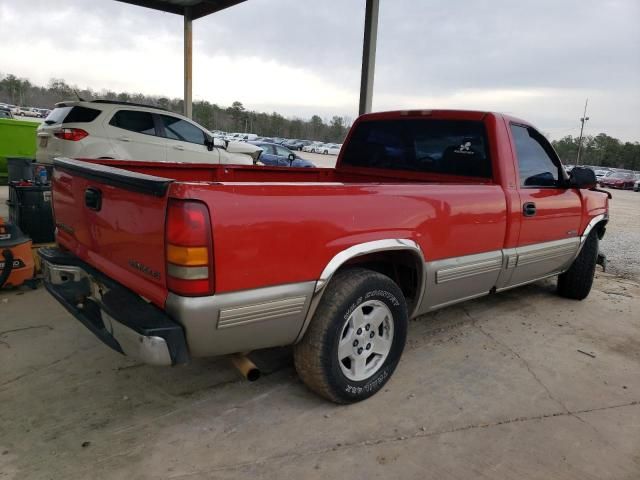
78	95
582	120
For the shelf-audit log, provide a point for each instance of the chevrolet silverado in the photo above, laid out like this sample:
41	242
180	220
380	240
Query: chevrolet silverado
424	209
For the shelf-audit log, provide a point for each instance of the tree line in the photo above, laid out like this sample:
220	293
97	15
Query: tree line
599	150
235	118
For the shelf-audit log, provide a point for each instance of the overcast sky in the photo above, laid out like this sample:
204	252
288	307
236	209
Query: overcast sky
535	59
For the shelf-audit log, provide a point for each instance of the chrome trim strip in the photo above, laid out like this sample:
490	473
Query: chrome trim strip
470	270
391	244
603	217
363	249
545	253
594	221
234	316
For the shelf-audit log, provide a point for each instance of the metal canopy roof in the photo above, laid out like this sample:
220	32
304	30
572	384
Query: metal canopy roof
198	8
194	9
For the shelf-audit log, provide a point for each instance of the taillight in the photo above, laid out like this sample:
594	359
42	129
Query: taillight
73	134
189	248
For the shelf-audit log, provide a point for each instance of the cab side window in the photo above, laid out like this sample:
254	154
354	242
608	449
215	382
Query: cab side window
536	162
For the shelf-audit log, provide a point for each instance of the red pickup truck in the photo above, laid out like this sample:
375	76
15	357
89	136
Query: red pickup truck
426	208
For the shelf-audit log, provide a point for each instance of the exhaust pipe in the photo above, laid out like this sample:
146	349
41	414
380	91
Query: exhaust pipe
245	366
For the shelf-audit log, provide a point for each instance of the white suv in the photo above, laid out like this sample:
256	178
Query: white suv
128	131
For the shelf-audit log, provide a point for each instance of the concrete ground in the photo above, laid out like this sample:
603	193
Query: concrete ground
521	385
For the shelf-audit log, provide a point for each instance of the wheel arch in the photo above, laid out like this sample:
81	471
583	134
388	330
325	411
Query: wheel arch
400	259
597	223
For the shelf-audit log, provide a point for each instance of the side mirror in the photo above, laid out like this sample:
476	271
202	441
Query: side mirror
581	177
209	142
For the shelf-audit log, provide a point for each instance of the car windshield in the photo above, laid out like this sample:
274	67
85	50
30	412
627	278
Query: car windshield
621	175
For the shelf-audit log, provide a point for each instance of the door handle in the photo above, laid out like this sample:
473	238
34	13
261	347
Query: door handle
178	147
93	199
529	209
124	139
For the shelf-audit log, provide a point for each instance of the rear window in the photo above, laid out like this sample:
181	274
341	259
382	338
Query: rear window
72	115
134	121
456	147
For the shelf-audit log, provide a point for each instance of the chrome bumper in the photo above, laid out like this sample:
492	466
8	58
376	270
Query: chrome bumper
117	316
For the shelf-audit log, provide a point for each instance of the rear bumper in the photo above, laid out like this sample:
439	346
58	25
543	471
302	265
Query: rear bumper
116	315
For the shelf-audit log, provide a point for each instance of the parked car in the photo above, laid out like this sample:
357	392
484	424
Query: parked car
312	147
421	211
278	156
128	131
5	112
331	149
636	185
601	172
29	112
291	144
623	180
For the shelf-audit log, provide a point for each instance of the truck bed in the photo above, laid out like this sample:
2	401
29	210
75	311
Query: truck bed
191	172
271	226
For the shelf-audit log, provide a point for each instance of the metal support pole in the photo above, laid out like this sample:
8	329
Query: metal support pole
369	55
582	120
188	61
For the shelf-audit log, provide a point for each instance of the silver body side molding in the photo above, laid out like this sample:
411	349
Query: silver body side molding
279	315
453	280
242	321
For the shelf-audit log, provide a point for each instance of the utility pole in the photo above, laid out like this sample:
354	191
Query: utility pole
582	120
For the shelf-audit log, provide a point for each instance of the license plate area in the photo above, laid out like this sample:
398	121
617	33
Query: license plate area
43	141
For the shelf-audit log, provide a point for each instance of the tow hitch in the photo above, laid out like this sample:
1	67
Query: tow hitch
602	260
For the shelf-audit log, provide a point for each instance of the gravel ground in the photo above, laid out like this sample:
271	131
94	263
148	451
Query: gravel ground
621	243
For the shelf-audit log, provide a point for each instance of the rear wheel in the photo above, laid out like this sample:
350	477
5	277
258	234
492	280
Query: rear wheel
577	281
356	337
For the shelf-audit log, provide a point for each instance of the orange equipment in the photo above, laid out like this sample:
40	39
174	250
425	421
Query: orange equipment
16	259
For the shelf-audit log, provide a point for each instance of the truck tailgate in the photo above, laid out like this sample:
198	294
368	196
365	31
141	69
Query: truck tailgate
114	220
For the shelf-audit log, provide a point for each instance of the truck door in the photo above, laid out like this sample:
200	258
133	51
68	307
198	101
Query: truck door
549	231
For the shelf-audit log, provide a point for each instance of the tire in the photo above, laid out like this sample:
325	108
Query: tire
353	299
576	282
